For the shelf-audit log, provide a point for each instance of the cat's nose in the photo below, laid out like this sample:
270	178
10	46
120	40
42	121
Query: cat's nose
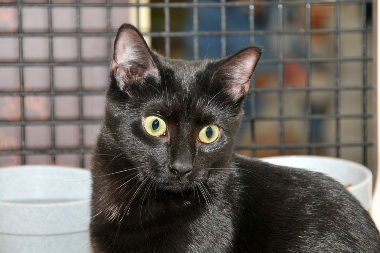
181	170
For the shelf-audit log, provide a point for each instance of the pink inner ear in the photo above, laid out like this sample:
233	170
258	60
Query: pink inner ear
237	91
245	86
131	49
113	65
235	73
129	46
132	60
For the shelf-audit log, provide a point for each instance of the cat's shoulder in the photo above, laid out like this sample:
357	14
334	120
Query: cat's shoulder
294	184
277	174
305	208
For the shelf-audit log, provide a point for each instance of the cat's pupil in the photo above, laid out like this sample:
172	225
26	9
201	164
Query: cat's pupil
209	132
155	124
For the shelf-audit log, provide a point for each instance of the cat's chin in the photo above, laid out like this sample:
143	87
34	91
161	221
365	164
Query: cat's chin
175	186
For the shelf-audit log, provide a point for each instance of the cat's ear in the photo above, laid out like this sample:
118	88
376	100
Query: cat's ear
132	59
234	73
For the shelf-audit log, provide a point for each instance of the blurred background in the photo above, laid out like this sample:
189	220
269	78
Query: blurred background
311	93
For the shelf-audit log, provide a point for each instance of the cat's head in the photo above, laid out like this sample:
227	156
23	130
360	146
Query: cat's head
173	120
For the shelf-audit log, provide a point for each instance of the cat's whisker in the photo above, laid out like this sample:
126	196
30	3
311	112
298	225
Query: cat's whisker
121	183
211	196
195	190
119	221
199	192
121	171
204	194
151	190
154	87
126	182
97	214
183	198
218	168
207	193
216	95
110	162
206	197
144	193
94	154
166	93
228	169
135	194
116	183
147	189
127	194
100	154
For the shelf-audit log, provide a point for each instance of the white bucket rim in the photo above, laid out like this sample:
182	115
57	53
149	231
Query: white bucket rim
367	172
48	167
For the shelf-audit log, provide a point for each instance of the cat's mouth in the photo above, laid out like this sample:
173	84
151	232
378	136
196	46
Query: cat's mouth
175	185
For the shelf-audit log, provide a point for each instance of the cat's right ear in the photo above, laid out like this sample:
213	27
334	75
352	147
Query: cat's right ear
132	60
234	73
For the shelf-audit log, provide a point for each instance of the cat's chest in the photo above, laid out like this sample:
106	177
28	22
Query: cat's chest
184	228
212	231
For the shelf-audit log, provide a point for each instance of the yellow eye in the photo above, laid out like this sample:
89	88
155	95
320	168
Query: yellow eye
155	126
209	134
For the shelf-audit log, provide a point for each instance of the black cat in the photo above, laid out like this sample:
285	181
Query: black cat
165	178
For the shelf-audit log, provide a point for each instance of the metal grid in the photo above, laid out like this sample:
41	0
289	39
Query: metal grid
332	146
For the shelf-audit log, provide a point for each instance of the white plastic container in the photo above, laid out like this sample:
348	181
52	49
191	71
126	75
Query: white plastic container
356	177
44	209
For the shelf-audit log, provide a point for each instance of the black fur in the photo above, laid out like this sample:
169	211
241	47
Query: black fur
228	203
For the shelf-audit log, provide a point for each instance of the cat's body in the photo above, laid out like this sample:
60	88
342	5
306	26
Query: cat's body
174	193
278	210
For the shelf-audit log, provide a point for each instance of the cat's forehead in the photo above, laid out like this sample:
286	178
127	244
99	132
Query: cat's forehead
183	94
183	72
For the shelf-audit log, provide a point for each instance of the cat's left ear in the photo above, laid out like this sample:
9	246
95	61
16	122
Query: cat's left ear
234	73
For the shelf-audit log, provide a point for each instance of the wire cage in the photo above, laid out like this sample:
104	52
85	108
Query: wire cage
312	88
